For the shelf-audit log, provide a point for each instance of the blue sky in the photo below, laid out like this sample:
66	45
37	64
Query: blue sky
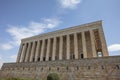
24	18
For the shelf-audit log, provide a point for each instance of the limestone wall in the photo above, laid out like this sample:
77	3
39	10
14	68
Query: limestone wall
106	68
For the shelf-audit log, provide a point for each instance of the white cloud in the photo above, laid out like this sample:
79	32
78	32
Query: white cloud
34	28
6	46
1	61
0	57
13	57
114	47
70	4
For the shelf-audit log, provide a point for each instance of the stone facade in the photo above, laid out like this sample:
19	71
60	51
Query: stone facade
76	53
104	68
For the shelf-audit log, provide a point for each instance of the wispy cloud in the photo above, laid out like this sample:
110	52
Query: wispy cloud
6	46
69	4
34	28
13	57
1	61
114	47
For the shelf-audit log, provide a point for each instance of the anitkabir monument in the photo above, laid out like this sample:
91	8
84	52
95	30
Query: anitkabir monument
76	53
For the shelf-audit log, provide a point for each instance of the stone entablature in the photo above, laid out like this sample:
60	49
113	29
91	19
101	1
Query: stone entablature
107	68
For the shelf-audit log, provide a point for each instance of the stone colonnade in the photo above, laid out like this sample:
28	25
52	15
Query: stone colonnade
77	45
71	46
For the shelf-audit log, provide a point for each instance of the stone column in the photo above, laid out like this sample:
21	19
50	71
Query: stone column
24	53
54	49
32	52
103	42
75	45
48	50
28	52
37	51
84	45
19	53
61	48
42	50
68	46
93	43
